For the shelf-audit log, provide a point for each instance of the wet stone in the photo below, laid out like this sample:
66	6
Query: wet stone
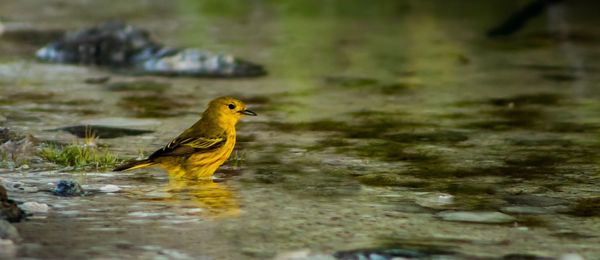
487	217
99	131
66	188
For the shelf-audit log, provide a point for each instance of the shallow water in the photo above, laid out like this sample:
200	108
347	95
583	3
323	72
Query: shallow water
375	122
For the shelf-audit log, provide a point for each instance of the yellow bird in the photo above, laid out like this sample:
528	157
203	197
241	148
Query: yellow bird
199	151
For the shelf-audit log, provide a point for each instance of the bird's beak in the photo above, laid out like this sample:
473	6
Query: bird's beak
248	112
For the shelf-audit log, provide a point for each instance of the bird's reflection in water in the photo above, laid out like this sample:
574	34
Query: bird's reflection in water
215	199
203	197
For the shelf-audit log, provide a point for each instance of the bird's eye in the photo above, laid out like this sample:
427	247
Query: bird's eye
231	106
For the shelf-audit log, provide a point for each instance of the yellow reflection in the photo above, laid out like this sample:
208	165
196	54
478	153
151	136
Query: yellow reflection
216	200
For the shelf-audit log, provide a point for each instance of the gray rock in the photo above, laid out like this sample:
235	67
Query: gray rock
120	46
491	217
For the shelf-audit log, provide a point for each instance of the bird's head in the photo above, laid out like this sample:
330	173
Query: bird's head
227	110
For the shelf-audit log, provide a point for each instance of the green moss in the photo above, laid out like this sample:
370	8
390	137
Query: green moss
79	156
587	207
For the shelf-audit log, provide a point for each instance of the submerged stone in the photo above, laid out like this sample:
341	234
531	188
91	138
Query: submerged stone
487	217
67	188
120	46
99	131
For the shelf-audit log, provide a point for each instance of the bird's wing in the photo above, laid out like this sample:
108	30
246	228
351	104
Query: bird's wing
187	144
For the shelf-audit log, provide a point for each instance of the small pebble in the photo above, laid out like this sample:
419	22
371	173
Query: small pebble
110	188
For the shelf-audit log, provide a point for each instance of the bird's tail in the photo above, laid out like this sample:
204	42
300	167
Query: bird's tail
134	165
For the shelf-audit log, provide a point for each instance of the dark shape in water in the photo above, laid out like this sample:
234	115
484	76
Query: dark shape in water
101	131
98	80
518	19
142	85
8	208
392	253
559	77
154	105
542	99
120	46
525	257
67	188
433	137
586	207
